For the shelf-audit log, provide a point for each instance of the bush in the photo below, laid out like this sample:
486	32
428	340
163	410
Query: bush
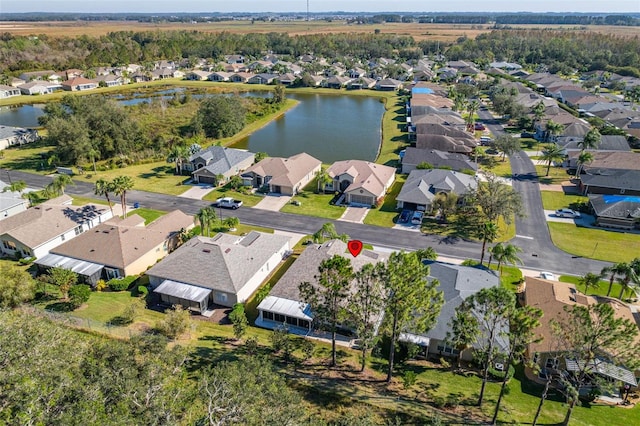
121	284
26	260
142	291
101	285
79	294
499	375
439	402
176	322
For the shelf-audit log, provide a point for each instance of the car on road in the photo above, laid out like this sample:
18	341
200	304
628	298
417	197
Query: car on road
571	214
227	203
405	216
485	140
416	219
548	276
479	126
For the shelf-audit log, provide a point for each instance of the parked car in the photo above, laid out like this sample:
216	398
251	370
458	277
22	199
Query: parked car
405	216
548	276
416	219
485	140
479	126
227	203
572	214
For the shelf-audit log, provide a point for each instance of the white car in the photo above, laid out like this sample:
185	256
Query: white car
416	219
571	214
548	276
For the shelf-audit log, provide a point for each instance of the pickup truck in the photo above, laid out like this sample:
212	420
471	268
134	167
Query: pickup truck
227	203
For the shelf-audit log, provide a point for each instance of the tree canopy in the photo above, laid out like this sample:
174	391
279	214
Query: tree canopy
220	116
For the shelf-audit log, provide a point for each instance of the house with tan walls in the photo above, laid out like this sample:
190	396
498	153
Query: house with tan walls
119	247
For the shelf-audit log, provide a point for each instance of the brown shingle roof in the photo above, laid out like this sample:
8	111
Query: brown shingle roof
285	171
372	177
118	243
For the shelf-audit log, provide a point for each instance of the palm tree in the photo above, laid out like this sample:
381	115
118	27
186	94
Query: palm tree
495	251
121	184
104	187
626	278
538	112
591	140
553	129
509	254
613	271
585	157
57	187
589	280
323	179
205	218
17	186
550	154
178	154
488	234
93	154
472	108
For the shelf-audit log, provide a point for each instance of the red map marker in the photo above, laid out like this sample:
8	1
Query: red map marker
355	247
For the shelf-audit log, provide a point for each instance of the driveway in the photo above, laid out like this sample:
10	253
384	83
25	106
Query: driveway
584	220
273	202
354	214
197	192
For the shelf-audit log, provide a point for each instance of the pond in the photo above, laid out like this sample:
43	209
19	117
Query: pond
328	127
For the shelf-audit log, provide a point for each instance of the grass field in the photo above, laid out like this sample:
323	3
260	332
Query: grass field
248	200
149	215
610	246
554	200
601	290
387	213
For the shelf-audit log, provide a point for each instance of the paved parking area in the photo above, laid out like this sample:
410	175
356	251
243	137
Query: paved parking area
273	202
354	214
197	192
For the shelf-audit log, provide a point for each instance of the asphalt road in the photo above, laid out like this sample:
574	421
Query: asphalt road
532	232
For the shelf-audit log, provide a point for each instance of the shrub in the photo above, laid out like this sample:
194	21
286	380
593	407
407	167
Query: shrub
101	285
409	379
499	375
121	284
176	322
142	291
438	402
26	260
79	294
239	320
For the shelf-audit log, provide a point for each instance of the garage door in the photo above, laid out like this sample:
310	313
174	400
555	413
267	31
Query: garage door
361	199
207	179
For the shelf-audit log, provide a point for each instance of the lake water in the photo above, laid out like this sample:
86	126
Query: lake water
328	127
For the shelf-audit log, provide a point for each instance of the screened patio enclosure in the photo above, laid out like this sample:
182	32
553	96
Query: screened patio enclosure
189	296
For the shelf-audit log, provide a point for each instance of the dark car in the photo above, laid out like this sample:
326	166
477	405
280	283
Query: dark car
405	216
479	126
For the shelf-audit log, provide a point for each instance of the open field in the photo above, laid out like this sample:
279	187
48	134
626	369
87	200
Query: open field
441	32
600	244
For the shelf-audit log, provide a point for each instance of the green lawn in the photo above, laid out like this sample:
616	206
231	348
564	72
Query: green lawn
495	165
601	290
394	137
312	204
81	201
248	200
607	245
387	214
149	215
556	176
554	200
461	226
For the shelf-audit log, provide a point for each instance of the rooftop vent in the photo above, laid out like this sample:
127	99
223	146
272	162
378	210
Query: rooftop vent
227	250
206	251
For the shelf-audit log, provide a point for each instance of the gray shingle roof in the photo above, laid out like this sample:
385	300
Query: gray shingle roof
224	262
438	159
615	206
422	185
220	160
610	178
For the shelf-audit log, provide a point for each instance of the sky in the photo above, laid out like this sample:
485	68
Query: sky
164	6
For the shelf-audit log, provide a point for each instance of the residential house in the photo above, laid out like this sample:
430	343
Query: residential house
72	73
37	230
47	75
610	181
219	76
10	136
261	78
234	59
8	91
163	73
422	186
198	75
36	88
436	159
223	270
445	143
15	82
457	283
608	143
286	79
241	77
210	164
337	82
79	84
284	176
552	297
118	247
361	182
284	304
110	80
616	211
11	202
389	84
